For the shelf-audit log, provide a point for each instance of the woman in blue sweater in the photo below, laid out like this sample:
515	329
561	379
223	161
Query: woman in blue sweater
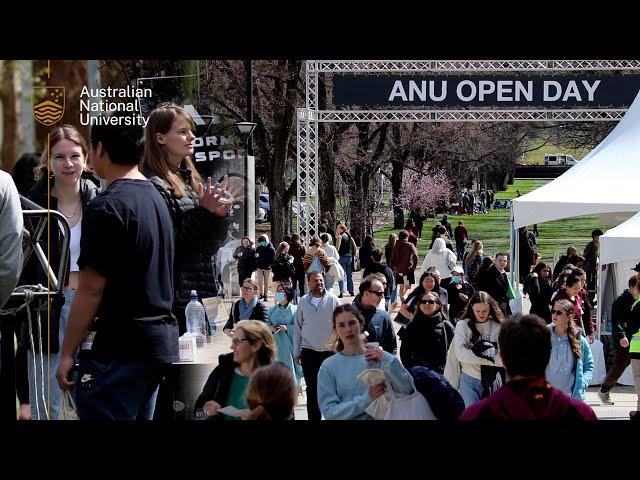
571	366
340	395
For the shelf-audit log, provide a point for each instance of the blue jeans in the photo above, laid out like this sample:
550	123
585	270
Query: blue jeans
460	250
470	389
49	364
394	295
117	389
346	261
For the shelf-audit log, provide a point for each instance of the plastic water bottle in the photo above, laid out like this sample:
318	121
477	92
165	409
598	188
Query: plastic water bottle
196	319
374	363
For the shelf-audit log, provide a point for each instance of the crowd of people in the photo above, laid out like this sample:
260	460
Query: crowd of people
144	226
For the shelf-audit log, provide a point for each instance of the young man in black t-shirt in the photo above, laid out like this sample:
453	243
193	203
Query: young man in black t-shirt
126	284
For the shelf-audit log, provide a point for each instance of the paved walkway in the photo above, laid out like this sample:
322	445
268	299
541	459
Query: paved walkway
623	396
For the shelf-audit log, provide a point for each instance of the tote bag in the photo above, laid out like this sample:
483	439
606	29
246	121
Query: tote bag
68	407
409	407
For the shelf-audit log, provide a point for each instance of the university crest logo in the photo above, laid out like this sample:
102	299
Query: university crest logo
48	105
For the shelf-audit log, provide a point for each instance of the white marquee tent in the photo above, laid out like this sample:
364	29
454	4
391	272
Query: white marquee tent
607	180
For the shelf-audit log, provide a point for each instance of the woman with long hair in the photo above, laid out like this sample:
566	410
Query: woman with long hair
271	394
253	346
297	251
472	261
427	338
440	258
199	212
476	348
365	252
571	292
65	184
429	282
538	287
283	269
571	364
340	395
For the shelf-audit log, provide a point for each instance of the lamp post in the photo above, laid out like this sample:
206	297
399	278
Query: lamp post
245	129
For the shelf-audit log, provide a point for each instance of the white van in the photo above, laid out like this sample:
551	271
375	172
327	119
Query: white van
559	159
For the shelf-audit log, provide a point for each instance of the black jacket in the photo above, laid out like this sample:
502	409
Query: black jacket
246	258
496	285
198	236
540	295
426	341
33	273
621	319
283	268
259	312
218	384
365	256
456	304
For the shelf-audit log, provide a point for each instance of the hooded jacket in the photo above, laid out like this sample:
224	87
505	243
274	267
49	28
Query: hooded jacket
265	254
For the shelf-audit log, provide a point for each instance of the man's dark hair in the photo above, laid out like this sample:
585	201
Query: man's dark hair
324	237
525	345
322	228
123	143
376	254
596	232
366	283
633	281
441	230
402	235
23	172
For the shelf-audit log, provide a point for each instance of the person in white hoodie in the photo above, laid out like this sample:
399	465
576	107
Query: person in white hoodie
312	331
11	224
334	260
442	259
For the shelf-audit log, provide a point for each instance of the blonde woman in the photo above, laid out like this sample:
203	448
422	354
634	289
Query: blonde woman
66	184
253	346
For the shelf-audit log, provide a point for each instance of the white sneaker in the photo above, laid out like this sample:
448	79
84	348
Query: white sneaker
605	398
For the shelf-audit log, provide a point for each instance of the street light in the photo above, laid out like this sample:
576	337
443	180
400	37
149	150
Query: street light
245	129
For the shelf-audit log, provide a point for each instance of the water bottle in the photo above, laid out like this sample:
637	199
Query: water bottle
374	363
196	319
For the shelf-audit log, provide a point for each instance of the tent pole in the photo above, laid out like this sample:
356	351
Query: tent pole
513	250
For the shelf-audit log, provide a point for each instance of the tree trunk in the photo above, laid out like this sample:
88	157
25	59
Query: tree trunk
397	169
11	131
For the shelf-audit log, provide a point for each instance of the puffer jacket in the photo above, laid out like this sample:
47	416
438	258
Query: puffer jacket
426	341
199	234
33	273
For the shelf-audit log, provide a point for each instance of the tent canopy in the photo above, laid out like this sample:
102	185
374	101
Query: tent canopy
622	242
604	181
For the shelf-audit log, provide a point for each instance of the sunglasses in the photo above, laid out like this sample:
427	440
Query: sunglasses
430	302
376	292
557	312
237	341
249	288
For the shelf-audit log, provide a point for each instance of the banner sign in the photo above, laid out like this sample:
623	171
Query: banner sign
494	91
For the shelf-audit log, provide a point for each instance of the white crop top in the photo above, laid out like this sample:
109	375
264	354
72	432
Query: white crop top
74	246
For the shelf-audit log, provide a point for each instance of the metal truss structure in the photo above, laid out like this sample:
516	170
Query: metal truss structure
309	117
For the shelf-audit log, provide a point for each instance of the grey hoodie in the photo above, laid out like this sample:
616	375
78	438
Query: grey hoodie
11	225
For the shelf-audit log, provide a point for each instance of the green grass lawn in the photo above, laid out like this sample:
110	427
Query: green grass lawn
493	228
